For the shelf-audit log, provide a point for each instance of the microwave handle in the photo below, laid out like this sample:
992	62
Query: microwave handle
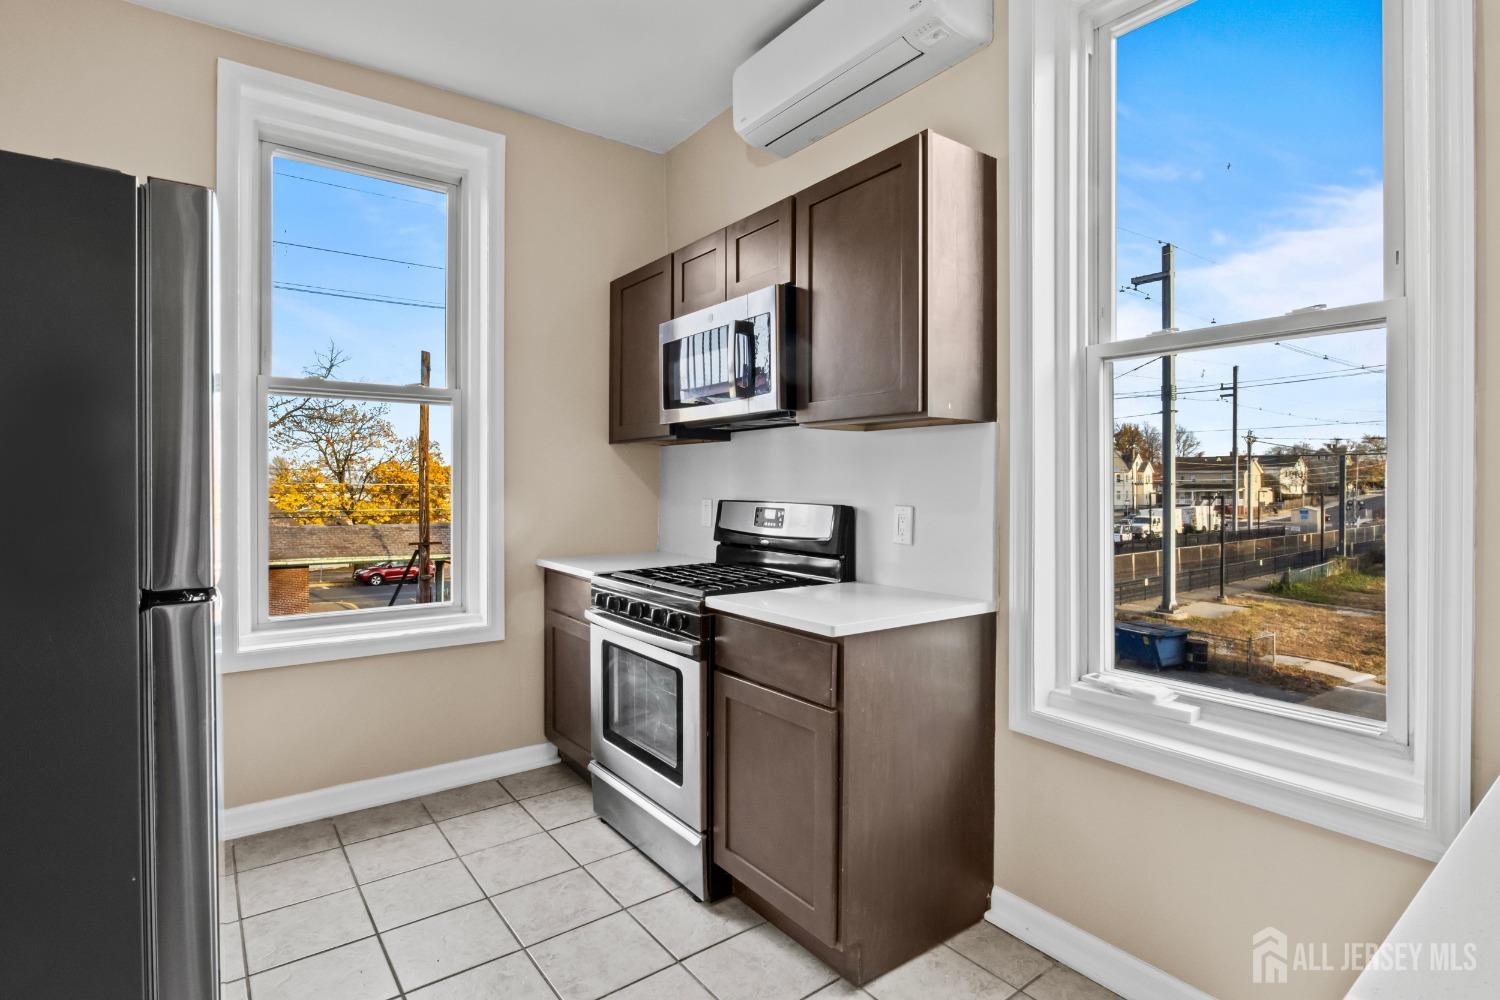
744	359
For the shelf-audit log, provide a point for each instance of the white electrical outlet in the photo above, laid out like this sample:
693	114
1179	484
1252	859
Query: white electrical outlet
706	514
904	517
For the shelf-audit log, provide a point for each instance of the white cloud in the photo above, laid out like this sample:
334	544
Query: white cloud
1329	253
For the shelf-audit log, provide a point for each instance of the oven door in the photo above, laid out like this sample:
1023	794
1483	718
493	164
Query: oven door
727	361
649	706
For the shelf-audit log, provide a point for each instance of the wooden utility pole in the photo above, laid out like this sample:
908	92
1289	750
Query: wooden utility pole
1168	278
1232	393
424	509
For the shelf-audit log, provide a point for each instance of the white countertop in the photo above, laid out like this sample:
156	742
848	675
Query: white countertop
588	566
1458	906
840	609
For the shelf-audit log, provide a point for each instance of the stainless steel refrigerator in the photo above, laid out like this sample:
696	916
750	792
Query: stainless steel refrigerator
108	784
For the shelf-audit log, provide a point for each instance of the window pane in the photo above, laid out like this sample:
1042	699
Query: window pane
358	275
1249	134
345	504
1302	618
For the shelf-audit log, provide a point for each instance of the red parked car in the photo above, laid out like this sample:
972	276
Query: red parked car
388	572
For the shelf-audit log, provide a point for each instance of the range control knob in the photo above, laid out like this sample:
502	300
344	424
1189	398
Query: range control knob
601	600
676	622
636	610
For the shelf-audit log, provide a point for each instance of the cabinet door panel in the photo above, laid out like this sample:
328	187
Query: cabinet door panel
639	303
776	800
760	249
698	274
567	685
859	260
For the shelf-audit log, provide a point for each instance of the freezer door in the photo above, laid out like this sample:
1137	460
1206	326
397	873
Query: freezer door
177	373
179	659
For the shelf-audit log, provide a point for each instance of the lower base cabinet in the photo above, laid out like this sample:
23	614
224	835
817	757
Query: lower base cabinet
566	677
861	826
776	800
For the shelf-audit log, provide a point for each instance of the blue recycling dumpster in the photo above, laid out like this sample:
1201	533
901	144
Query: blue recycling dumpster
1159	646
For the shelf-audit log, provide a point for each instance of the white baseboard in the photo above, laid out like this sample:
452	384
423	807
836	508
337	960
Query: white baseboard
1101	961
273	814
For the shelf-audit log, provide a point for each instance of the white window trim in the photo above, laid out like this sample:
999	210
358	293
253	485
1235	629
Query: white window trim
256	107
1408	794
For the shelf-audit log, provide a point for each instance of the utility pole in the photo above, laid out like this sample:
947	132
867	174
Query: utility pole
1250	490
1322	533
1232	393
424	509
1343	502
1223	550
1168	277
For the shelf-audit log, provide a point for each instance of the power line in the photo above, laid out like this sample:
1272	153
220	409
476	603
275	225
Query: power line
1265	383
359	190
1178	246
345	293
1138	367
351	253
1320	357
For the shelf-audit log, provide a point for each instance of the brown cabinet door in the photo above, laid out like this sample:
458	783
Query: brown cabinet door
760	249
859	264
639	303
698	274
776	800
566	663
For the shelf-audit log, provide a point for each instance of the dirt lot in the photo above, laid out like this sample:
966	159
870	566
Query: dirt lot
1338	619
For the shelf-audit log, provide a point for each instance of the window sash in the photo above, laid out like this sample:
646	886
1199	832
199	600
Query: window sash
269	384
1409	798
1116	19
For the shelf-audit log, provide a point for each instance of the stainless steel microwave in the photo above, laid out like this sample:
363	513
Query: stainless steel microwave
730	363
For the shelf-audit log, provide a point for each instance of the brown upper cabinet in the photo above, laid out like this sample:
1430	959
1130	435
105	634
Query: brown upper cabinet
698	275
895	262
759	249
639	303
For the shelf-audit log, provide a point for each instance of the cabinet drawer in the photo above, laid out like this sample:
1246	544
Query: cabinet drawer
797	664
567	595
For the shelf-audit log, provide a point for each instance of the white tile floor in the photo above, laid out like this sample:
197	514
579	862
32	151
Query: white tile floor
513	889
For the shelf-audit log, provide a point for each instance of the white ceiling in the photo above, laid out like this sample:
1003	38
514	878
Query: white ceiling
645	72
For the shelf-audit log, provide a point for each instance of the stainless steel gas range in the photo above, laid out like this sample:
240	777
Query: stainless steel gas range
652	668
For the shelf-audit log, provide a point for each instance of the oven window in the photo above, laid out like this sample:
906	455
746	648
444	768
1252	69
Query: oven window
643	709
719	365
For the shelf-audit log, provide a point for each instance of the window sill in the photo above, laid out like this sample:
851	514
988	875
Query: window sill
1347	782
304	641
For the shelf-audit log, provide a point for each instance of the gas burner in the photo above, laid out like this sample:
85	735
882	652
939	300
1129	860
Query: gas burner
704	579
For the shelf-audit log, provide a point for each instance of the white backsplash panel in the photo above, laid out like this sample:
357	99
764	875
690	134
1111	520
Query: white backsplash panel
947	474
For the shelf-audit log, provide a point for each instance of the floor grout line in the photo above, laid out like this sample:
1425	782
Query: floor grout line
379	941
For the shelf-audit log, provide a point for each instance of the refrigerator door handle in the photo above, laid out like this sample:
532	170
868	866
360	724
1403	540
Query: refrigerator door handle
177	369
183	861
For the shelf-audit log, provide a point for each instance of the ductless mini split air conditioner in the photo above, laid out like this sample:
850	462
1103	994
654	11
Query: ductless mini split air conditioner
847	57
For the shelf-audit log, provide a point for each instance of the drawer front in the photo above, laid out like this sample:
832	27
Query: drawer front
567	595
797	664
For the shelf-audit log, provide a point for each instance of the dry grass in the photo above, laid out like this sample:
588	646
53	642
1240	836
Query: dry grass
1307	630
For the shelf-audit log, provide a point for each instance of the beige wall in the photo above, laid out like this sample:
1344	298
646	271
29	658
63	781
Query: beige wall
1178	877
105	82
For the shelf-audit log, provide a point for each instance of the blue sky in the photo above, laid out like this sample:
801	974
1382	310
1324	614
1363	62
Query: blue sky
362	262
1249	134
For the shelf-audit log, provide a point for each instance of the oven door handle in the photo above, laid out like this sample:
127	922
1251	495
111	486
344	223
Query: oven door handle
682	647
645	805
